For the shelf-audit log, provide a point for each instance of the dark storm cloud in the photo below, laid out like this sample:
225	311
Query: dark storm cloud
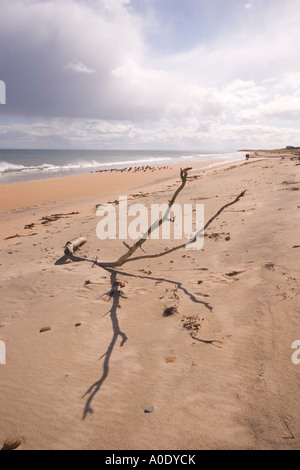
57	57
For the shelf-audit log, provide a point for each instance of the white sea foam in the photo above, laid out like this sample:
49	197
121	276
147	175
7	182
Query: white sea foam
27	165
6	167
217	164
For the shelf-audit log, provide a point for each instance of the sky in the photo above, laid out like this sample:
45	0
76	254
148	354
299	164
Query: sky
150	74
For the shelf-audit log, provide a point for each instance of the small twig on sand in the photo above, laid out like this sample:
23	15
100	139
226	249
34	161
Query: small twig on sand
208	341
291	436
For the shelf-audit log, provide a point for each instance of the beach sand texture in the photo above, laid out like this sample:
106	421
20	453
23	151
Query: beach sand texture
86	380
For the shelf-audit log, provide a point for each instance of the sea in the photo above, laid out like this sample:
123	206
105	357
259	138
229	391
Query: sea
28	165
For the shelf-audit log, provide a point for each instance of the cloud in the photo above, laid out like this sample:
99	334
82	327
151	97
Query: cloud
240	93
250	49
155	93
289	81
42	38
91	73
164	133
77	67
126	80
248	6
286	108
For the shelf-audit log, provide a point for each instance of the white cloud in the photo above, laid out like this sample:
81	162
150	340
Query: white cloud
78	67
157	93
42	37
248	6
164	133
286	108
289	81
243	93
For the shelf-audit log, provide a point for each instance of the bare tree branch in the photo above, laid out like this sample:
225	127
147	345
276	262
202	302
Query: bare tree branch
198	234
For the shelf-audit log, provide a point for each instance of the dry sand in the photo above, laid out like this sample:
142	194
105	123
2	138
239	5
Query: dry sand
87	386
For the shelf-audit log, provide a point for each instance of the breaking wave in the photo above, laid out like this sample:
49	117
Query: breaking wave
6	167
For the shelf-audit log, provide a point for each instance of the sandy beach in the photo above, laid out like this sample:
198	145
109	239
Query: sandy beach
115	373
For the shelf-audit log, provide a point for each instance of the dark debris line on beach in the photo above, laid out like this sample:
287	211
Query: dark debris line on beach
44	220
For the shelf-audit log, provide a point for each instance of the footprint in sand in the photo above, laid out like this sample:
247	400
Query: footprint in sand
141	291
200	294
225	278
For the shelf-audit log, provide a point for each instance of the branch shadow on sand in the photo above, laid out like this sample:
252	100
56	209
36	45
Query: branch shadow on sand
96	386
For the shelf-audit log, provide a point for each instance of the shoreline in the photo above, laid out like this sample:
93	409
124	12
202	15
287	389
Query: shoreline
23	195
24	202
28	195
60	164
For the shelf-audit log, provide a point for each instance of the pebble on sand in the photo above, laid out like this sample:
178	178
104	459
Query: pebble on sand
170	359
149	409
12	443
45	328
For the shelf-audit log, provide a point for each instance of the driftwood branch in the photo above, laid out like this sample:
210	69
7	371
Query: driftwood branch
131	250
71	247
194	239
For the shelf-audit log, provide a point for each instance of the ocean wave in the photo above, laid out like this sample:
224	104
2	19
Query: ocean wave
217	164
6	167
95	164
211	156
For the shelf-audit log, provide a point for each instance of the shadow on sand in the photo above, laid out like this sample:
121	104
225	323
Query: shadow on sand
115	296
95	387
